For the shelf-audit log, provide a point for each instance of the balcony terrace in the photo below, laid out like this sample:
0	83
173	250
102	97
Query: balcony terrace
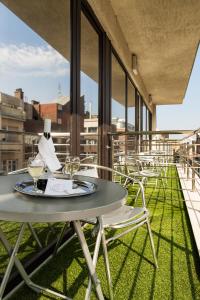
131	258
174	218
116	61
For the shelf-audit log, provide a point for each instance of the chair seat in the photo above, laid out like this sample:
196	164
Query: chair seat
149	173
124	214
144	173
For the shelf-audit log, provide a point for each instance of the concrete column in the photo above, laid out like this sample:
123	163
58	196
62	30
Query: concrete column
154	119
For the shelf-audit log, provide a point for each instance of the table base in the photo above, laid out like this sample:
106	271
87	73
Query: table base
12	252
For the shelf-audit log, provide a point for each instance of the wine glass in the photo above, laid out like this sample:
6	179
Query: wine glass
36	167
72	164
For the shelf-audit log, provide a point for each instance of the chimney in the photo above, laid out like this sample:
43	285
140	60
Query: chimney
19	94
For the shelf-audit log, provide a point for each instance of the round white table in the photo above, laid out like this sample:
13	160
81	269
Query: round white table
18	207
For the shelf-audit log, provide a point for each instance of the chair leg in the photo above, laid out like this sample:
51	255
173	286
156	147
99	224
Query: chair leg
60	237
152	243
138	193
32	230
126	182
105	253
163	183
156	185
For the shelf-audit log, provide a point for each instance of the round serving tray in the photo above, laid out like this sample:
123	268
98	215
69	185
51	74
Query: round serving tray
26	187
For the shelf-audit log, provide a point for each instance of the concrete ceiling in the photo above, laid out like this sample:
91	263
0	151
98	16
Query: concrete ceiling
48	19
164	34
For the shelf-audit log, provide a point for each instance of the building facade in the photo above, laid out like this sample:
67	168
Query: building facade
12	118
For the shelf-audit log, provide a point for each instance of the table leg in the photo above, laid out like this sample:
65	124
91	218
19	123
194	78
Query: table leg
95	257
60	237
88	258
14	260
106	260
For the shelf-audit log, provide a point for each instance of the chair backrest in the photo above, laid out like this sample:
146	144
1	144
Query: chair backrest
92	159
89	169
133	165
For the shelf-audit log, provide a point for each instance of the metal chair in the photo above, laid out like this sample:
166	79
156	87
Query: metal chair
126	217
135	168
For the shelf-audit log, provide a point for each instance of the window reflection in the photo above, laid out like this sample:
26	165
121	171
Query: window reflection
89	90
118	96
36	85
131	107
118	105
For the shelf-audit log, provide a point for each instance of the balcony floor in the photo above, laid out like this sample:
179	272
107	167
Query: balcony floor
134	275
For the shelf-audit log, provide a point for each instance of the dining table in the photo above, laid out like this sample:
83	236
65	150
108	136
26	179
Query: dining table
23	208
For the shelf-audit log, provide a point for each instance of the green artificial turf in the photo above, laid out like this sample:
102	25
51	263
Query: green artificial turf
133	273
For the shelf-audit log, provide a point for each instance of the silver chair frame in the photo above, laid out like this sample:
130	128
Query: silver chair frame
130	223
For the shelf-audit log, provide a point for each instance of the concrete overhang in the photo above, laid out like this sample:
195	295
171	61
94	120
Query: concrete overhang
163	34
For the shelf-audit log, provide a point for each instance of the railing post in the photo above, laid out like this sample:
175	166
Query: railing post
23	149
193	176
188	168
185	157
193	168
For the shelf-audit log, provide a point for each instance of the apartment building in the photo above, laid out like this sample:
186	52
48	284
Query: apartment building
12	117
58	110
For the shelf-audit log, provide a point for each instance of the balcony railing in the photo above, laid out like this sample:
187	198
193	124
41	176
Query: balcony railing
16	113
176	146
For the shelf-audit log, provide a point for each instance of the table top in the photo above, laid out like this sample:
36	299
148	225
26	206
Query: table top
18	207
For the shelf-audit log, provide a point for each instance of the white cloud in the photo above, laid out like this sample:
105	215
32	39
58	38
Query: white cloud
32	61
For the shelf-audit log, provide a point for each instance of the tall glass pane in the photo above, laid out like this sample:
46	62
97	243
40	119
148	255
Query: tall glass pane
118	95
147	119
144	117
131	140
118	106
34	78
131	107
89	100
140	112
140	122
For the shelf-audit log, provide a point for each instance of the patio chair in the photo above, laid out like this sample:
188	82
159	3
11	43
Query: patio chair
135	168
126	218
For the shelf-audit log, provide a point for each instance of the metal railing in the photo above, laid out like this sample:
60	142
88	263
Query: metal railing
184	150
18	146
175	147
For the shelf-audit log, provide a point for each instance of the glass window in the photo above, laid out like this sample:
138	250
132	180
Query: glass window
92	129
38	78
89	86
118	95
131	107
144	117
118	105
139	113
147	119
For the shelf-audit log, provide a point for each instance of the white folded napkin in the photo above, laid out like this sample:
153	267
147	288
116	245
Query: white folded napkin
59	187
47	153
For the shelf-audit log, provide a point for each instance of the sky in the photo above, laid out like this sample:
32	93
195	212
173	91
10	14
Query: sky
186	115
28	62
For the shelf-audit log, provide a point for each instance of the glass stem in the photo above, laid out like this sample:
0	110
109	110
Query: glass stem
35	184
